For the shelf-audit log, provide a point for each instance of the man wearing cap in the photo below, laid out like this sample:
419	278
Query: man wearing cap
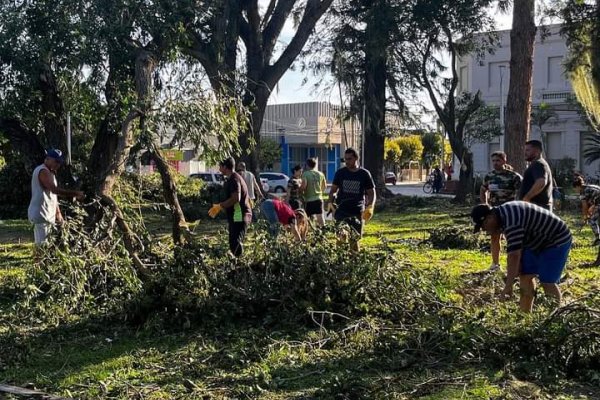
43	211
538	243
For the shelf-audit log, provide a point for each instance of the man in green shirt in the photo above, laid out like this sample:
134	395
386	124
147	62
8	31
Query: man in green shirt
313	186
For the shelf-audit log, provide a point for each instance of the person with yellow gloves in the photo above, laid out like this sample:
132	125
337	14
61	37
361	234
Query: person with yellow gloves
236	205
352	195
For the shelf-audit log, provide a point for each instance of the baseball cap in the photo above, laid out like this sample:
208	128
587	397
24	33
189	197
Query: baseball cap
56	154
478	214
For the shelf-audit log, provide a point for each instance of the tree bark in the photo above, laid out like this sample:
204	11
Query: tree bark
53	110
465	187
375	97
518	103
218	54
170	193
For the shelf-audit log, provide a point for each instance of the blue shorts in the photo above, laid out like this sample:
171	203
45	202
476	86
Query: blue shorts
547	264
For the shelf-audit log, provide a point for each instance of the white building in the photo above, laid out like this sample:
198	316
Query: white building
490	75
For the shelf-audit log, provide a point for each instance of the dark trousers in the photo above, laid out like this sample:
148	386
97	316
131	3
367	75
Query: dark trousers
237	231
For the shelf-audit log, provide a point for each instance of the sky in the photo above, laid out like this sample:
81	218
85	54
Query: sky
291	88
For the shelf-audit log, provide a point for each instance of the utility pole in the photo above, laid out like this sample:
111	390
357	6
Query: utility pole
502	68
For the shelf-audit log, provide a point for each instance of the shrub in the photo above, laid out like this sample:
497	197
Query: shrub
456	237
286	281
15	191
80	272
563	171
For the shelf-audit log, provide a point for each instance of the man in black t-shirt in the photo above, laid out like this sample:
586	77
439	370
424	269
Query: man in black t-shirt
537	179
237	206
352	194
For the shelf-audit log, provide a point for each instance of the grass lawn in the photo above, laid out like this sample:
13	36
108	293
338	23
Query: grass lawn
253	358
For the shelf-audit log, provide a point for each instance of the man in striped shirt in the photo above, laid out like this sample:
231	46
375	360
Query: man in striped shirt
538	243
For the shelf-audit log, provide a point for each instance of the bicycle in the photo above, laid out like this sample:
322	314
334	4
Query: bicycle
428	186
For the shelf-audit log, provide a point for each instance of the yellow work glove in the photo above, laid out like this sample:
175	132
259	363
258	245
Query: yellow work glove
214	210
368	213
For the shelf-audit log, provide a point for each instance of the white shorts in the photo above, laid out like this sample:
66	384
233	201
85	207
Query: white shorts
40	232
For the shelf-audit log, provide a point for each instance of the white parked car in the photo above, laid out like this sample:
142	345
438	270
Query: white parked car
210	178
277	181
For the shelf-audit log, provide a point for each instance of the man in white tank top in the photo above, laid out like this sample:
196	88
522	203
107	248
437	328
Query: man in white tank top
43	210
254	190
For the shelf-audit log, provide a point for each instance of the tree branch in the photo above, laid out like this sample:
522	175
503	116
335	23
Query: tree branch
313	12
23	141
275	25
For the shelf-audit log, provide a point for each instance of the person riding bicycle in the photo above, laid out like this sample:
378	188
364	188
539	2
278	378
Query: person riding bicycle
438	179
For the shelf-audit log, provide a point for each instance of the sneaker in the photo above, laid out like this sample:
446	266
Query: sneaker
494	267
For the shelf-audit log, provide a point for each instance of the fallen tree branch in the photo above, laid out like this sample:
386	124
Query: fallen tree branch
19	391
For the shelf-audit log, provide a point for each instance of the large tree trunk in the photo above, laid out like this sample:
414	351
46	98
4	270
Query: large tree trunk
113	133
53	110
375	99
218	52
465	183
518	109
170	193
249	140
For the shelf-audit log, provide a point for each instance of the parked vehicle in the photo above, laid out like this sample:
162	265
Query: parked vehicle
210	178
277	181
264	183
390	177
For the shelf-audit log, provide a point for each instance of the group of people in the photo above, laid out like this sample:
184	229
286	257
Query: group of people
521	209
518	207
351	200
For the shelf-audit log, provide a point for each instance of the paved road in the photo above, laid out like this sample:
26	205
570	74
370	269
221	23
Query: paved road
412	189
409	189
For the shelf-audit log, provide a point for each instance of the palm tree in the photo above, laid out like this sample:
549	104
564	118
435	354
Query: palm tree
539	116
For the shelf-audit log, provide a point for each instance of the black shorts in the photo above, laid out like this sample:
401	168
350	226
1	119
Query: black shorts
313	207
353	220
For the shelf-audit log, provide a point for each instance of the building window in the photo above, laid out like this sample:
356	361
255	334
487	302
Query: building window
555	71
554	148
297	157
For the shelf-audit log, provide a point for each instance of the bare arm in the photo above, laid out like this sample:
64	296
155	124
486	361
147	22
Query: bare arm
483	195
303	185
513	270
536	189
332	192
47	182
585	207
258	187
294	228
371	197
